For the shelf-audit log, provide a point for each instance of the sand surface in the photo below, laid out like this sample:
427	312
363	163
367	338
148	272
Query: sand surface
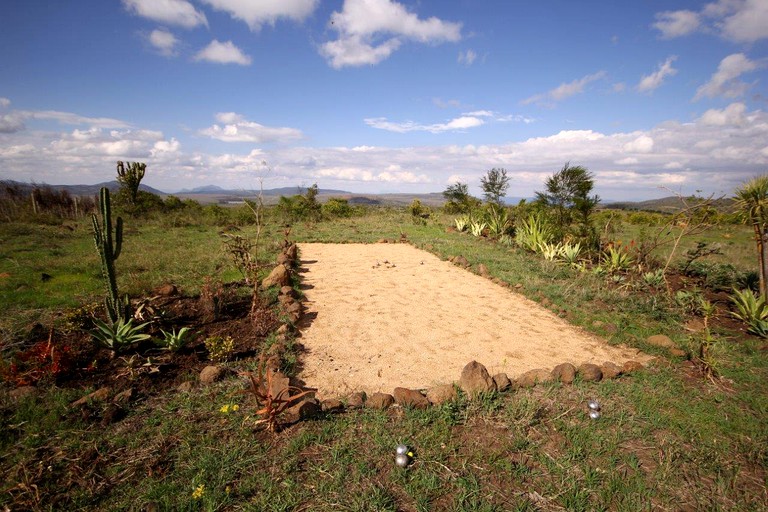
379	316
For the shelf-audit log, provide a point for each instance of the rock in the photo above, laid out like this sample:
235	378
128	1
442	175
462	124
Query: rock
410	398
694	325
502	382
482	270
441	394
610	370
677	352
546	302
379	401
293	307
382	241
590	372
279	382
288	291
475	380
631	367
461	261
304	410
331	405
661	340
123	396
292	251
278	277
284	330
186	386
211	374
356	400
519	286
284	259
22	392
565	373
112	414
533	377
99	395
167	290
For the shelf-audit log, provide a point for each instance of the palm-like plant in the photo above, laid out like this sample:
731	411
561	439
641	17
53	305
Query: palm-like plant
118	335
752	200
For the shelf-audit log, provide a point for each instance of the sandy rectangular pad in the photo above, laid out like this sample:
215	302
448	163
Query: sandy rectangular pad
388	315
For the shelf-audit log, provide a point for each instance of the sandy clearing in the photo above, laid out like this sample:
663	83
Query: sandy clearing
417	320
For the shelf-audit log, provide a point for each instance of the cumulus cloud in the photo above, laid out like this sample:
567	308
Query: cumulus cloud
652	82
223	53
4	102
369	31
563	91
164	42
465	121
255	14
235	128
725	82
467	57
741	21
14	121
172	12
732	115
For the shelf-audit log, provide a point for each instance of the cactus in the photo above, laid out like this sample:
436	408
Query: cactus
131	176
109	250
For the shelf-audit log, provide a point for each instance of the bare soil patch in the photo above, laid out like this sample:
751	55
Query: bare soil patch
381	316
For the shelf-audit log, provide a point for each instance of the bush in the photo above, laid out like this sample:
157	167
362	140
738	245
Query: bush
336	207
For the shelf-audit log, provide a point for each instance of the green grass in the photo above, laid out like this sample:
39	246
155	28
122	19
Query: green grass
666	440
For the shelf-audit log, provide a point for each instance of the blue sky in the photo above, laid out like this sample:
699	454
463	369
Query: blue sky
386	96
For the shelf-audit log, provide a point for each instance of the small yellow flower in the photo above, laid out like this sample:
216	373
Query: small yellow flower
227	489
198	492
235	407
225	409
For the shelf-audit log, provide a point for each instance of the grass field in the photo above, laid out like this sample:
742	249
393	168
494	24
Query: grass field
668	439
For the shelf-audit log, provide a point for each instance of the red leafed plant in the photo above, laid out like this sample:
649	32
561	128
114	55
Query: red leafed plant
271	406
43	361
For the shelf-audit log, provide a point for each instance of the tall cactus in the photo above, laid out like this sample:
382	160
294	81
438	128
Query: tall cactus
109	250
130	177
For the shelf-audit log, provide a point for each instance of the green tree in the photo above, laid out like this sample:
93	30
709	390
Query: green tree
130	177
752	200
495	184
568	195
458	199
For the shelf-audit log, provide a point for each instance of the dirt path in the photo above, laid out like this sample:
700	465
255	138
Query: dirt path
388	315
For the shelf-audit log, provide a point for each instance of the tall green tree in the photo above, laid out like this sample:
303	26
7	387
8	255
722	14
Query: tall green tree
752	200
129	176
458	199
494	184
568	194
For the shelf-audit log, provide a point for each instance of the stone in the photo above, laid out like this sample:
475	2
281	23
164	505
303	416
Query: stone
100	395
123	396
211	374
678	352
278	383
356	400
167	290
475	380
610	370
410	398
502	382
519	286
631	367
22	392
533	377
293	307
382	241
306	409
292	251
483	270
278	277
590	372
289	291
440	394
112	414
186	386
565	373
331	405
661	340
380	401
284	259
284	330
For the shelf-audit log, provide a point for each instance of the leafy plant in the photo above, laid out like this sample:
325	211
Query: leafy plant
689	301
549	251
494	184
219	347
751	310
654	278
706	342
616	259
118	335
477	228
497	220
569	253
175	341
130	177
533	232
461	223
271	405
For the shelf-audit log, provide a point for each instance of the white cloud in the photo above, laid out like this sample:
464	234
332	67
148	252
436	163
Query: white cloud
619	87
724	82
11	123
173	12
4	102
563	91
642	144
467	58
223	53
459	123
732	115
370	30
164	42
651	82
257	13
235	128
676	23
742	21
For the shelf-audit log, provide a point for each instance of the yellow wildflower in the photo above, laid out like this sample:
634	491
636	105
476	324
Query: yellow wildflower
225	409
198	492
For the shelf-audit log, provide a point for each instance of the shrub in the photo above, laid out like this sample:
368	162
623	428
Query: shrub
336	207
219	347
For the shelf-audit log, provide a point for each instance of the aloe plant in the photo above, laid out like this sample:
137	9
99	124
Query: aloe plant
118	335
751	310
477	228
533	232
461	222
175	341
109	248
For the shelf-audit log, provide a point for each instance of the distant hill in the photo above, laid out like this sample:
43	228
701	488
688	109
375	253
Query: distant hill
669	204
282	191
77	190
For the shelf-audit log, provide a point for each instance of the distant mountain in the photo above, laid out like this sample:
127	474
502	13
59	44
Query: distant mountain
669	204
77	190
282	191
